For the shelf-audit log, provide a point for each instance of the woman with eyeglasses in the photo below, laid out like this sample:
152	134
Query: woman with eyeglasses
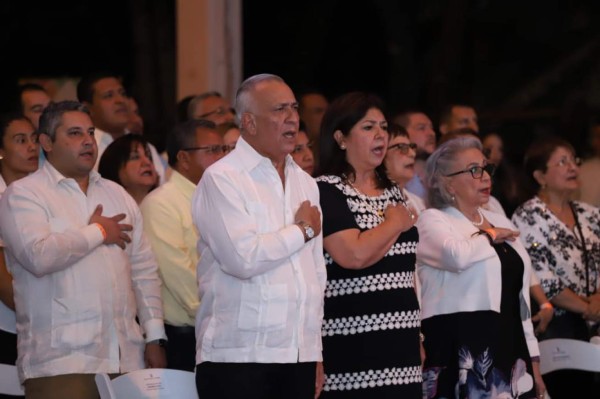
400	164
128	162
475	277
563	240
371	324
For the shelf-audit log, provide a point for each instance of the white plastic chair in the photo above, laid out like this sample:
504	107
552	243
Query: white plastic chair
563	353
9	381
148	384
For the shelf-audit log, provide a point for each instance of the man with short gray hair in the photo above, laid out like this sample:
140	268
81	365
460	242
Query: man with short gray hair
261	272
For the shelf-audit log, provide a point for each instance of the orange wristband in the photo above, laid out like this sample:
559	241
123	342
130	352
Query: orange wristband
492	233
101	230
546	305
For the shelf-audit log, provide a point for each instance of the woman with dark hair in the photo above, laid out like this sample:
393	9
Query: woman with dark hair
475	277
400	164
19	150
563	240
128	162
371	342
303	151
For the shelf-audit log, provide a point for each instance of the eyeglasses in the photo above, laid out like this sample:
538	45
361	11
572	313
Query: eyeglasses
477	171
218	111
568	160
211	149
403	147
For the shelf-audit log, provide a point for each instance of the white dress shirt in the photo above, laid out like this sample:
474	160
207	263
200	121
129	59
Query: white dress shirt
261	286
77	299
460	272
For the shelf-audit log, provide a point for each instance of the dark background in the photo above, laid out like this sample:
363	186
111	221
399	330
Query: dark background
529	67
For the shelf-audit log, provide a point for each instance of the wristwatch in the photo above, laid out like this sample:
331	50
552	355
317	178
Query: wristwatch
160	342
307	230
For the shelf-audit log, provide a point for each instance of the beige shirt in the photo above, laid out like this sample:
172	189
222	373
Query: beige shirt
167	213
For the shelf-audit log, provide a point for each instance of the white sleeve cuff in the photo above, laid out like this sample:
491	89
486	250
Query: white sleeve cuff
154	329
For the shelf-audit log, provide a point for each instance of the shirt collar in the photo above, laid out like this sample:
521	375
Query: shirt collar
183	184
250	158
56	177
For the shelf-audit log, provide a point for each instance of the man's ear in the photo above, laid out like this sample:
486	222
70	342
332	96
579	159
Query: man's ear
443	128
248	123
89	107
183	159
45	142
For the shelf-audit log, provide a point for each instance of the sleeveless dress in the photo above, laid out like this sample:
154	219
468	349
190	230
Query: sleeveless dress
482	354
372	320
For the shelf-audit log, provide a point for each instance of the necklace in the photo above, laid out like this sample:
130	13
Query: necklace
477	224
379	212
365	202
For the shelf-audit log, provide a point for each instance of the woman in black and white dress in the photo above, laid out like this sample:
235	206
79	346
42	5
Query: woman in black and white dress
371	344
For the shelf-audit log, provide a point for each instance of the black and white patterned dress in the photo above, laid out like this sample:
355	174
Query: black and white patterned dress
556	251
559	260
372	319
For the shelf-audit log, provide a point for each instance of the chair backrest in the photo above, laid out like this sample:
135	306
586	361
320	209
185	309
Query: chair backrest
149	384
562	353
9	381
104	386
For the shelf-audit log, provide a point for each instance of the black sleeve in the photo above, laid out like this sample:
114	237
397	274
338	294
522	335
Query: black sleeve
336	214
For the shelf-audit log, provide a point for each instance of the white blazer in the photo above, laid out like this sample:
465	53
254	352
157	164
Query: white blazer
460	272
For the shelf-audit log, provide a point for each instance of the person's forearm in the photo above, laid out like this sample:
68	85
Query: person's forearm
537	292
6	289
570	301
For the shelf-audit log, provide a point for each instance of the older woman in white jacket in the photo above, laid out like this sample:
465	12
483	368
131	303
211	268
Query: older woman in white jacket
475	279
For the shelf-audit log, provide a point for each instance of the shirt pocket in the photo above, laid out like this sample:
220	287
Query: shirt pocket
263	307
259	213
76	322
